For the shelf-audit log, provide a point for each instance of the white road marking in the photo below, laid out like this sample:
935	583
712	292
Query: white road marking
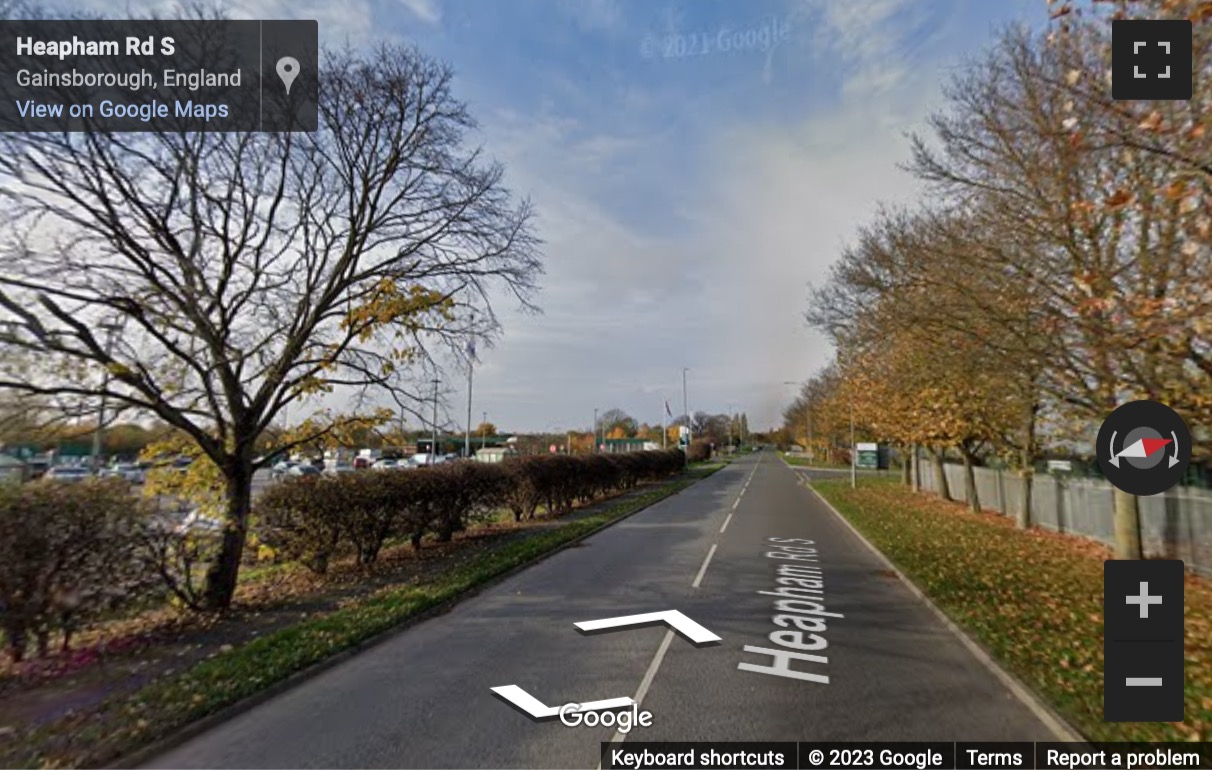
725	523
736	503
703	569
649	675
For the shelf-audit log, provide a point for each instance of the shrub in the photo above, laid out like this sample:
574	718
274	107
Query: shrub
367	511
525	485
301	519
700	449
461	492
67	553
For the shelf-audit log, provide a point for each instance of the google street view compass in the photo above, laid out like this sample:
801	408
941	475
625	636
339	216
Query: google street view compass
1144	448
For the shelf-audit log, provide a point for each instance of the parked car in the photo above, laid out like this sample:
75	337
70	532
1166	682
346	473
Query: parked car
198	523
385	465
282	468
336	469
303	469
69	474
126	471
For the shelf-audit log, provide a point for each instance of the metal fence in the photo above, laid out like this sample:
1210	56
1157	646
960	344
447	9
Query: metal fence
1174	525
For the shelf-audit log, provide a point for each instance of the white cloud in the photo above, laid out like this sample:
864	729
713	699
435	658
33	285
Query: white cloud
771	204
868	40
425	10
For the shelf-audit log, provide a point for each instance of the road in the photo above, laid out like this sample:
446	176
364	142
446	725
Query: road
422	698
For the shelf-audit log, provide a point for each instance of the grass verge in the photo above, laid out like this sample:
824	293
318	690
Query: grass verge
120	726
804	462
1032	598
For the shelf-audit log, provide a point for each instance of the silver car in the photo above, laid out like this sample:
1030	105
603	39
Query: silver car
69	474
125	471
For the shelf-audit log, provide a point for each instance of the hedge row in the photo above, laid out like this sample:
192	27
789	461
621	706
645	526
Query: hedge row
71	552
67	553
311	520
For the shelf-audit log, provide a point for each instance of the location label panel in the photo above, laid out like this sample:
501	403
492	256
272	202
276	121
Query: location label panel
1143	641
159	76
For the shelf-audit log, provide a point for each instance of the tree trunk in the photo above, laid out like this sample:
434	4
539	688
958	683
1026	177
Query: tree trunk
1027	474
915	460
1127	526
974	503
940	473
906	470
223	573
1023	514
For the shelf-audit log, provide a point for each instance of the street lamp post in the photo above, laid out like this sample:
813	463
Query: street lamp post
467	435
730	420
595	431
484	431
111	330
853	446
433	448
686	411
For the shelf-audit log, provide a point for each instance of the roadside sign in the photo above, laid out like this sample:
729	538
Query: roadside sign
868	455
552	449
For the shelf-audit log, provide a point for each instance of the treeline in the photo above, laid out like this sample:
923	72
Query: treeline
1060	266
70	553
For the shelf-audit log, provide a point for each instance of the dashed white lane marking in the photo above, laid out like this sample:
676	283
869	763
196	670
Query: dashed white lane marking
725	523
703	569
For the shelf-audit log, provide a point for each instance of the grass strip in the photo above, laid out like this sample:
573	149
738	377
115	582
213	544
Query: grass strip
121	725
1033	599
804	462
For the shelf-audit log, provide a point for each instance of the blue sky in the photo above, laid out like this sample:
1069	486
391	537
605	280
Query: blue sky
686	201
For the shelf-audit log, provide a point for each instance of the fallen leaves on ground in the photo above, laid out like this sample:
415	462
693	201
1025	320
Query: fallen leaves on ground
1033	598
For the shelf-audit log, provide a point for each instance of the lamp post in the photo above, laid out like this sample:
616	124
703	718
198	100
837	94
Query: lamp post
111	330
686	411
467	435
433	449
484	431
853	446
595	431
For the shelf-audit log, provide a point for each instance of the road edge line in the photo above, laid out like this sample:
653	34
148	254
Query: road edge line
1042	711
142	756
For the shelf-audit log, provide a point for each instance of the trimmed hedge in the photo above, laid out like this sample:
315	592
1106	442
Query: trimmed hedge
68	552
310	520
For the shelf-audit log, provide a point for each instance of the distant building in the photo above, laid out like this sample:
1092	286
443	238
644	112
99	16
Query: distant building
494	454
456	443
621	445
12	470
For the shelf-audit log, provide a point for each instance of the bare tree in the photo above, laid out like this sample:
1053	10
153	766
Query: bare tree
247	270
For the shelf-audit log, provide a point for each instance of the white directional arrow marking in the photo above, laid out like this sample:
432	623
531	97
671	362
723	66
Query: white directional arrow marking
673	618
538	710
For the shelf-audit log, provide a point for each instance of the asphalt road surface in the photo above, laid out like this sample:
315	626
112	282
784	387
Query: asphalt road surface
888	670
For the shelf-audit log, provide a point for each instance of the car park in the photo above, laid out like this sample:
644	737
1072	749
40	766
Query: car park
302	469
337	469
385	464
126	471
282	468
69	474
